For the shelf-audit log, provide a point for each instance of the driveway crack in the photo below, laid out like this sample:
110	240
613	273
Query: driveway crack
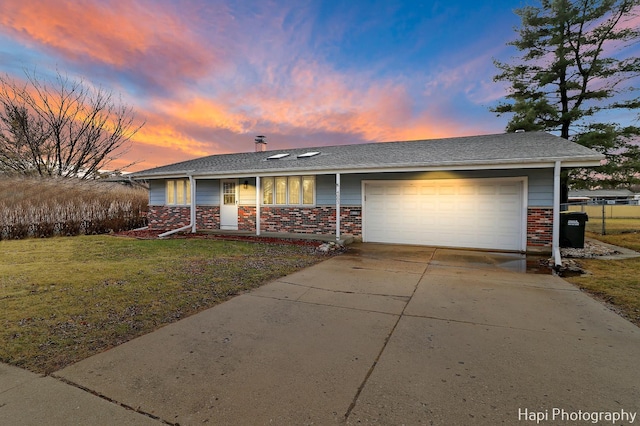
384	345
330	290
111	400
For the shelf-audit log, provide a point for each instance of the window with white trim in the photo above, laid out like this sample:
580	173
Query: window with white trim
288	190
178	192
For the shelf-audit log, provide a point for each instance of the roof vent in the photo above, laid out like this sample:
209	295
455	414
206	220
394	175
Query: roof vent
308	154
261	143
519	130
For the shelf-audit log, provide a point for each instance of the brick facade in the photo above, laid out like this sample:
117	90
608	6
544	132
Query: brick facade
164	218
351	220
310	220
302	220
539	227
246	218
208	217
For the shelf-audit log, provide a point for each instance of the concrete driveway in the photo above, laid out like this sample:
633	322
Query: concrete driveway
382	335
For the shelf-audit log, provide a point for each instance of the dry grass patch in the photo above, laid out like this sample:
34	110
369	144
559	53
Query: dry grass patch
45	207
630	240
613	226
615	281
64	299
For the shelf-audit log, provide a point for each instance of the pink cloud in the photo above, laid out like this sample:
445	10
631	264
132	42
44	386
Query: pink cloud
204	112
317	98
118	33
306	99
235	72
314	97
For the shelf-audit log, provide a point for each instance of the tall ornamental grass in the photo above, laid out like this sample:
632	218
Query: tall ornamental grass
46	207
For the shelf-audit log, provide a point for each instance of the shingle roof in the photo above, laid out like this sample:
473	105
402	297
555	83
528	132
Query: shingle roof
601	193
507	149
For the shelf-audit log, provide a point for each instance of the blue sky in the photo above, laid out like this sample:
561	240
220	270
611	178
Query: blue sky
207	76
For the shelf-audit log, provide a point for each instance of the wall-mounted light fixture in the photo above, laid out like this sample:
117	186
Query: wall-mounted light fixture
246	184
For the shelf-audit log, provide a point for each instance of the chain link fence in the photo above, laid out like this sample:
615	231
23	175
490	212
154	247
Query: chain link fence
608	219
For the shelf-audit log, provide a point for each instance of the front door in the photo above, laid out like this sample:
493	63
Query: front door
229	204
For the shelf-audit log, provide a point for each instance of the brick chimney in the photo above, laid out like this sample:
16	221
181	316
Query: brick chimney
261	143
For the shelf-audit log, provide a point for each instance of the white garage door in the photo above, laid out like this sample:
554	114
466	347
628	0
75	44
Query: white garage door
472	213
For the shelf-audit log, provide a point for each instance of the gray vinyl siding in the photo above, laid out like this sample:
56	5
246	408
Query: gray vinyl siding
540	186
208	192
326	190
540	190
157	192
349	189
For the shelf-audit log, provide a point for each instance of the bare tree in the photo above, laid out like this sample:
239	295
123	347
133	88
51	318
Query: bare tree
61	127
21	140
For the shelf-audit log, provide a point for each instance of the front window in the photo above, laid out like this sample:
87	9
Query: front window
178	192
281	190
292	190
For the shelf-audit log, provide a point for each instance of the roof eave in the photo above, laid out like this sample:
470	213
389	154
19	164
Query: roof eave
162	175
516	163
479	165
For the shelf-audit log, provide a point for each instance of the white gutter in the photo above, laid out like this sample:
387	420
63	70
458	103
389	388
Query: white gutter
337	206
258	206
192	212
517	164
555	244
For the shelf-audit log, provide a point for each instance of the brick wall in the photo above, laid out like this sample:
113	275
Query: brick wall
164	218
351	220
306	220
246	218
310	220
301	220
207	217
539	227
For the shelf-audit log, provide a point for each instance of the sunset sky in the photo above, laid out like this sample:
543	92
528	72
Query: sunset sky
207	76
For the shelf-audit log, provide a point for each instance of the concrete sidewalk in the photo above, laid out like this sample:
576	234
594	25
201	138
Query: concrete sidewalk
381	335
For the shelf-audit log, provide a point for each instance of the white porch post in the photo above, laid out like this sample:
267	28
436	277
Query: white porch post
337	206
192	187
258	205
555	244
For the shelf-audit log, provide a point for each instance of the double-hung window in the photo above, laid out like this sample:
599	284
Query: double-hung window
288	190
178	192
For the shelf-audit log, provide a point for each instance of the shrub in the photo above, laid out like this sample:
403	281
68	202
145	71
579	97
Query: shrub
45	207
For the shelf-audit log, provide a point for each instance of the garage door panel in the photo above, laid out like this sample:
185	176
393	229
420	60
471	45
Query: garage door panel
474	213
447	190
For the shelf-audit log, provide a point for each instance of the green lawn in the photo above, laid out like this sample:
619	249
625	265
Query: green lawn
64	299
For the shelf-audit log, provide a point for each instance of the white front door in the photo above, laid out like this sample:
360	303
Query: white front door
229	204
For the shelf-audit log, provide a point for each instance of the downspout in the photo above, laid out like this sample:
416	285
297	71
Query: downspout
555	244
337	206
258	206
192	212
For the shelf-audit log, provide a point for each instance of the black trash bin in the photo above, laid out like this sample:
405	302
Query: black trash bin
572	226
